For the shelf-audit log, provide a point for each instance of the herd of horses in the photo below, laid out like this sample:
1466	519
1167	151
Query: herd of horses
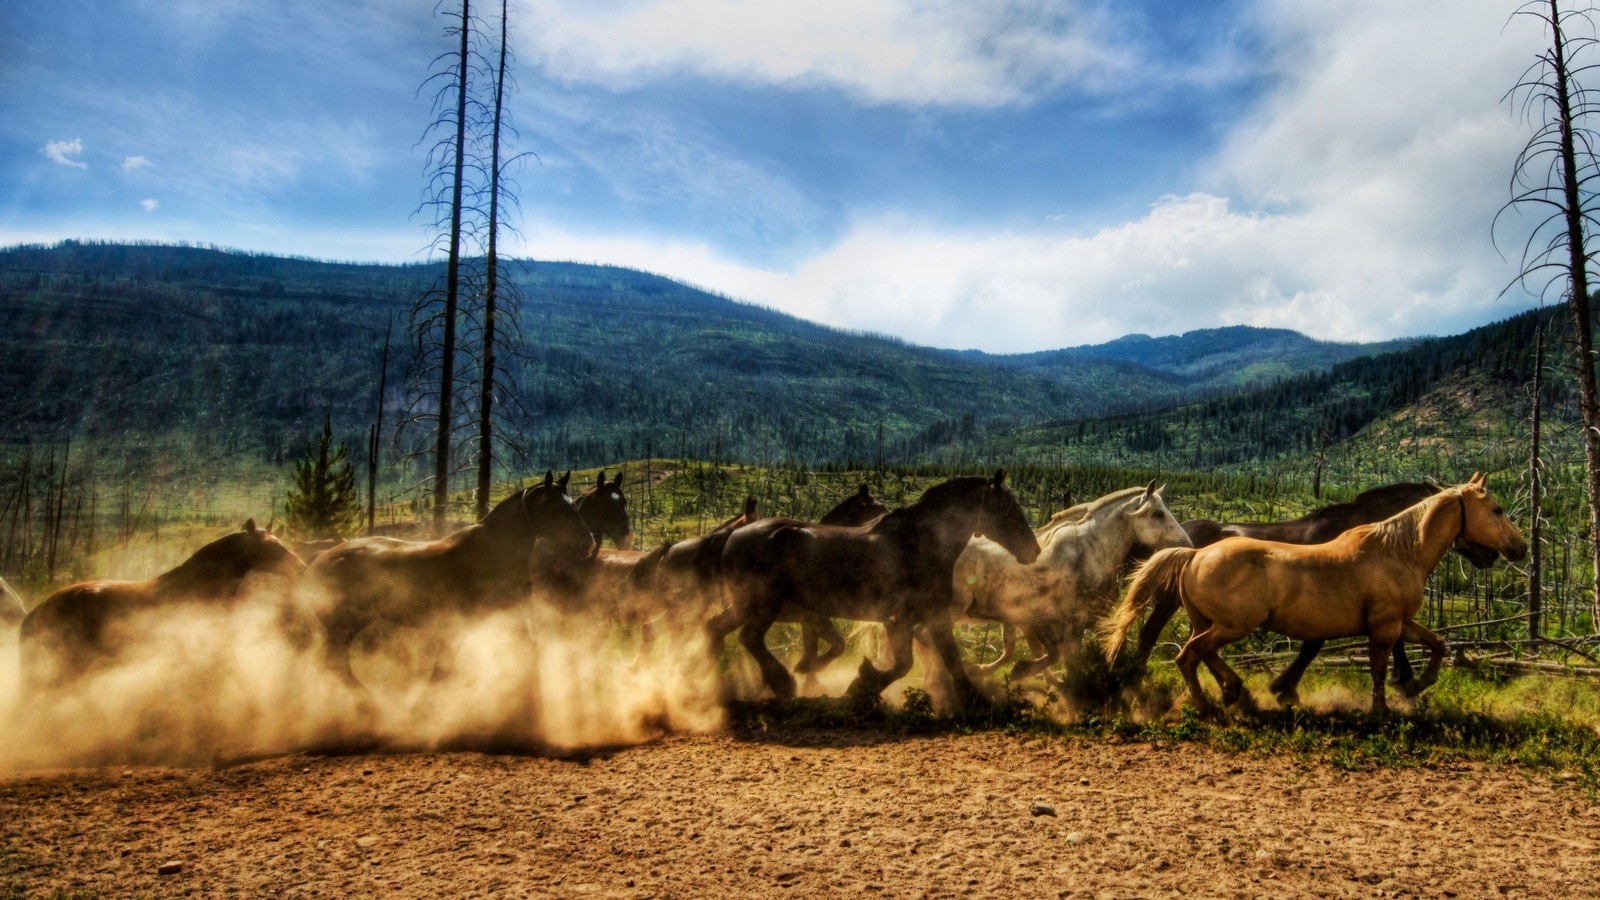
963	552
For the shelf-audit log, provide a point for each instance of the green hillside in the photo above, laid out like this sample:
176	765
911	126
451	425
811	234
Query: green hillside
242	355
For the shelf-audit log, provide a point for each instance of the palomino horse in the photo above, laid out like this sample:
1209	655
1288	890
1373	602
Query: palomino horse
604	509
1072	583
1316	527
487	566
75	628
895	570
1367	581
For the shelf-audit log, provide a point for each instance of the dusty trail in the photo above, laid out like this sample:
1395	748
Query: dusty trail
798	812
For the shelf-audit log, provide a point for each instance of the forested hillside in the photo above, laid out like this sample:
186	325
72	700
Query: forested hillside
244	355
1414	410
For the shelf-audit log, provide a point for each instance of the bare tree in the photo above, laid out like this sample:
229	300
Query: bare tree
435	318
1554	174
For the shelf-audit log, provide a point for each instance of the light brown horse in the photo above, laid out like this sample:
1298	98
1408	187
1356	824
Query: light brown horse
74	629
480	568
1368	581
895	570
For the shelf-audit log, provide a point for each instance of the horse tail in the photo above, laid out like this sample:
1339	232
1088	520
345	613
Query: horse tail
1160	575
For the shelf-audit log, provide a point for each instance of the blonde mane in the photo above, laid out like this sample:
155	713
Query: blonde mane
1401	534
1082	512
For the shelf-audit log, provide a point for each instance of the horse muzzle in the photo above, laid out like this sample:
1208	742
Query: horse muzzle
1479	556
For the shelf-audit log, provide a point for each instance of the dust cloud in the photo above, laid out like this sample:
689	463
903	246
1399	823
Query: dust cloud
210	685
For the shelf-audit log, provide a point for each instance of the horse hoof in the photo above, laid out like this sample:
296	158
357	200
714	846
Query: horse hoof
1288	699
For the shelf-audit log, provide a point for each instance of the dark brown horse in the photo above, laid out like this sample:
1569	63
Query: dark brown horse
487	566
857	509
1316	527
75	628
895	570
604	509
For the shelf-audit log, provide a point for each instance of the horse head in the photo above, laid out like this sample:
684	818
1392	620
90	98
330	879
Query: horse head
1485	527
604	509
858	509
551	517
259	550
1154	526
1000	519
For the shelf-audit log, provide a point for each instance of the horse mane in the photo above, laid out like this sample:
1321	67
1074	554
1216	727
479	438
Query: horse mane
1075	515
1378	496
1401	534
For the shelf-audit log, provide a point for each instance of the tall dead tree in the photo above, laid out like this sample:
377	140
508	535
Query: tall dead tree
491	281
435	317
1554	174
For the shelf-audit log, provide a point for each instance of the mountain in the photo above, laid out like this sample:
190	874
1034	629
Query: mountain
1207	358
1460	400
243	355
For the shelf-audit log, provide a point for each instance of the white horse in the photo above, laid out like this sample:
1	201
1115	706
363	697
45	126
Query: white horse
1054	599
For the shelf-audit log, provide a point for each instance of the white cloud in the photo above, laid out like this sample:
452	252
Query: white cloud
65	153
150	204
1353	203
964	52
135	163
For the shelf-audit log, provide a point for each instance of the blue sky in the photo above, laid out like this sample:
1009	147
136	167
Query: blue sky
1010	175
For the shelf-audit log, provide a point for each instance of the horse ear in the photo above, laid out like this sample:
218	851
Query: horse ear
1150	489
999	477
549	478
1479	479
864	492
250	526
602	481
749	509
564	479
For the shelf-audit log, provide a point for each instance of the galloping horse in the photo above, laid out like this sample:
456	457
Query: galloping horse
895	570
482	567
1368	581
1316	527
1072	583
75	628
604	509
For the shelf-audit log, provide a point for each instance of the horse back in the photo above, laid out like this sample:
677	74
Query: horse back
843	571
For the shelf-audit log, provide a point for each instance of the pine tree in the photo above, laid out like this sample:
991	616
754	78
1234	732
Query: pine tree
322	502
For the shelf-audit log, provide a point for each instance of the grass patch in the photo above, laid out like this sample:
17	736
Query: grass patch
1544	724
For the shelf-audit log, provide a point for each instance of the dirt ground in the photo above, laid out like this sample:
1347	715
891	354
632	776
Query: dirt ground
799	812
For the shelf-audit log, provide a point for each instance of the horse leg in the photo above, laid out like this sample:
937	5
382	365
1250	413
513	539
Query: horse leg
753	635
1008	648
870	681
828	632
1403	673
1286	686
1043	639
1188	661
814	629
718	627
1150	632
941	631
1379	644
341	635
1418	634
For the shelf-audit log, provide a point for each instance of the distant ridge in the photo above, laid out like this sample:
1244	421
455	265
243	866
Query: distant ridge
247	352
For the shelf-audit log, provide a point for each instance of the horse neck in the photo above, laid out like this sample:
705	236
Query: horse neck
200	575
1106	534
1423	533
944	526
